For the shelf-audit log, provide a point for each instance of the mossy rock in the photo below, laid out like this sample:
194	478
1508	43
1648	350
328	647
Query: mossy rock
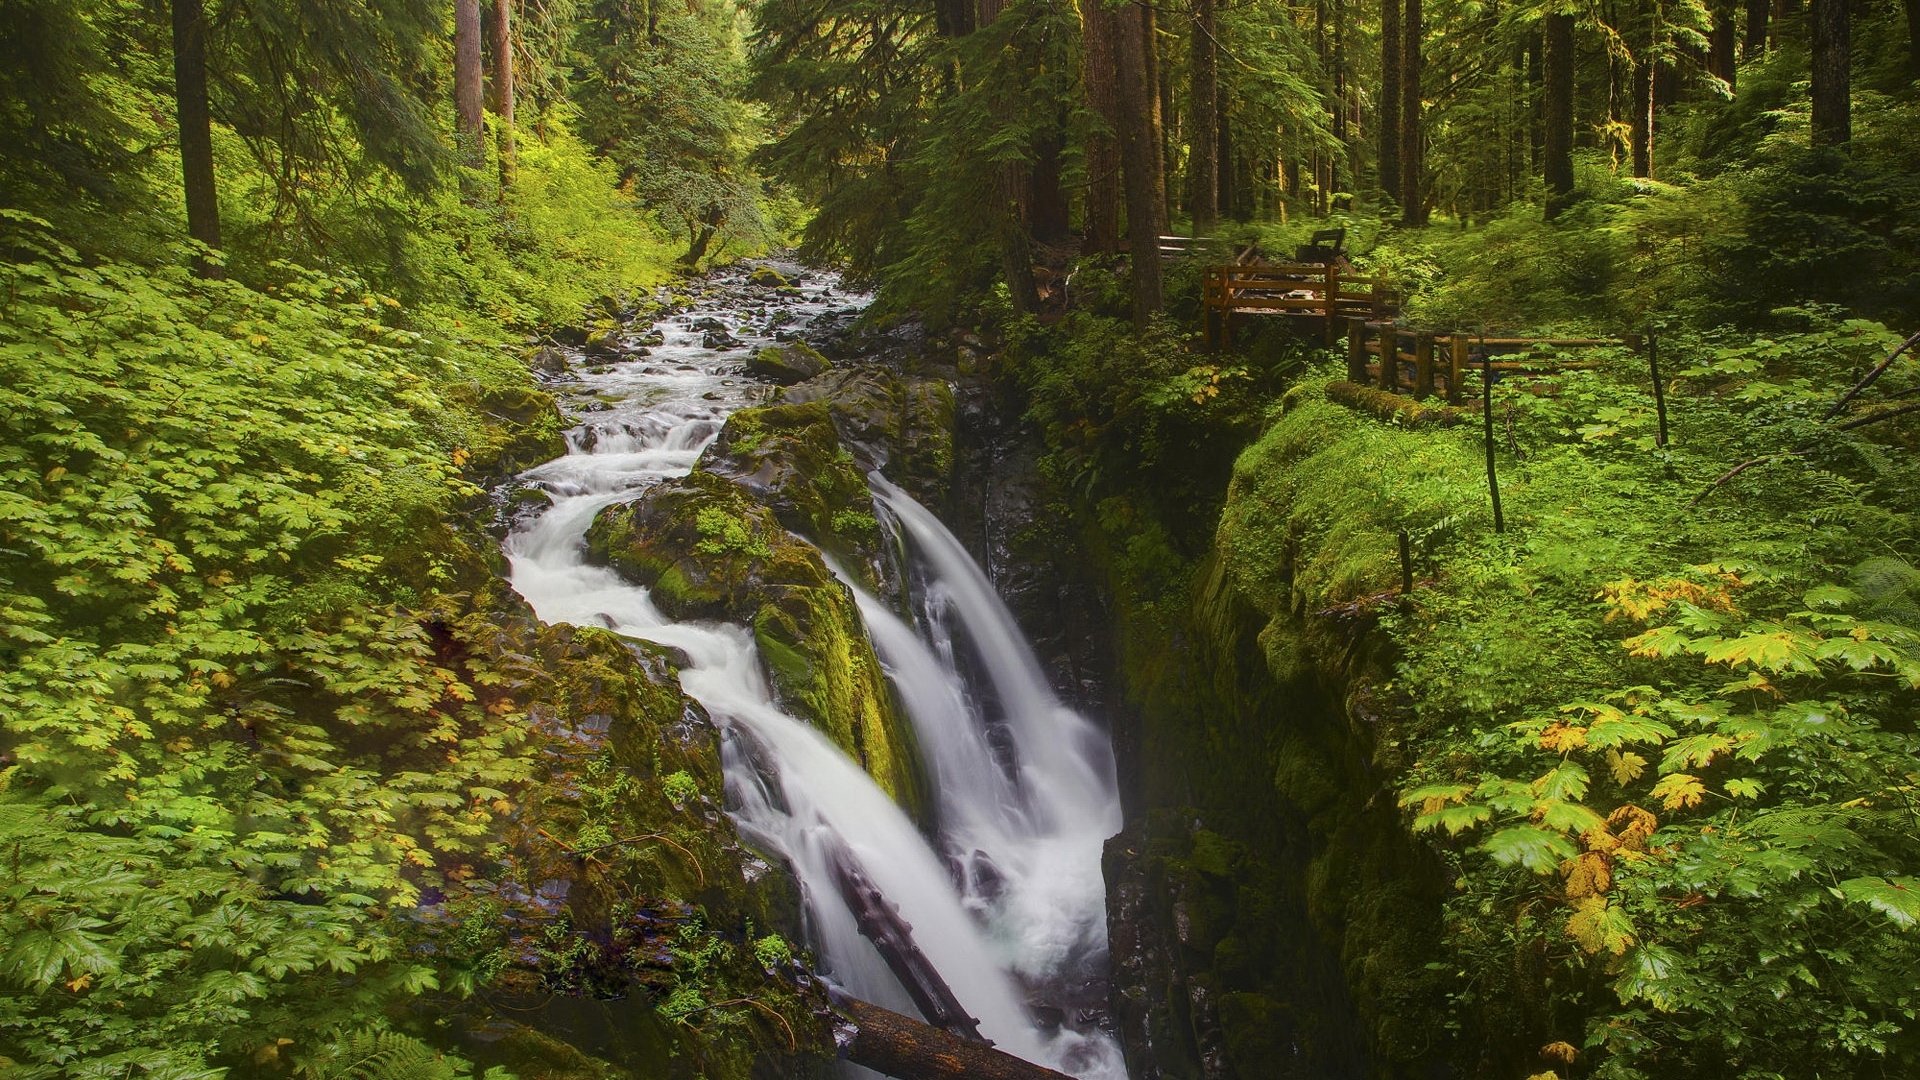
708	551
786	365
517	426
899	424
768	277
789	458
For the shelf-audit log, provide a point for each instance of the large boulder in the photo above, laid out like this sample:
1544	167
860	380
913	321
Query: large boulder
708	551
900	424
790	459
787	364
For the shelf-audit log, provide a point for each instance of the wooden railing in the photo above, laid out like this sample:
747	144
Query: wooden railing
1424	363
1300	290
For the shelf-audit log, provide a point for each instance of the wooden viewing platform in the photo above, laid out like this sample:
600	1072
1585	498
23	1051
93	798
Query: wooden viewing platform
1425	363
1304	291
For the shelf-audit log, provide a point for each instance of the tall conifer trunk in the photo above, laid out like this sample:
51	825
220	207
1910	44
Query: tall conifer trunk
1098	30
1755	41
1640	122
503	83
1413	146
468	85
1721	44
1832	119
195	117
1140	158
1557	151
1390	98
1204	176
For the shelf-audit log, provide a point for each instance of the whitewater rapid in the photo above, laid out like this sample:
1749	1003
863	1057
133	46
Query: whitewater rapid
1005	898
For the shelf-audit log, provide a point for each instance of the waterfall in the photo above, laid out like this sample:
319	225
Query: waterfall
1006	900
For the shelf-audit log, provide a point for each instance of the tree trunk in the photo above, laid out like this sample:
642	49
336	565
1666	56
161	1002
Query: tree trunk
1755	42
1160	104
468	84
1557	151
1204	136
709	225
1640	122
1048	216
1536	101
1390	98
196	129
1340	167
901	1046
1098	28
1232	201
503	83
1140	159
1913	36
1721	44
1413	147
1832	121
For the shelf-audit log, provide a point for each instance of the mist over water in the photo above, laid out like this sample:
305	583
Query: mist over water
1005	897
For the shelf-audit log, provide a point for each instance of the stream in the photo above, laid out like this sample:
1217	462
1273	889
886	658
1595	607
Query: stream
1003	890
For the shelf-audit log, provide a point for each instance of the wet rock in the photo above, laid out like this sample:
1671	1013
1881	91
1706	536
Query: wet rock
767	277
899	424
786	365
708	551
789	458
548	361
719	340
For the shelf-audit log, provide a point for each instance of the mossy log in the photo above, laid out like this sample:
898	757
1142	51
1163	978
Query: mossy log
903	1047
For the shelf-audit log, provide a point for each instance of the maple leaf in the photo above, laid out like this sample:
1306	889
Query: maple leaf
1679	791
1626	767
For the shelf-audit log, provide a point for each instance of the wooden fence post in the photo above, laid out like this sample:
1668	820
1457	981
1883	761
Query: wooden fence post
1389	358
1333	302
1422	366
1357	350
1456	365
1659	387
1493	477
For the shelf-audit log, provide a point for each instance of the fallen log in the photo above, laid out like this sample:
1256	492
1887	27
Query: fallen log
903	1047
880	922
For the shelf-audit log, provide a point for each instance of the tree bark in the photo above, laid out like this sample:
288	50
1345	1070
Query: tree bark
1160	101
1832	120
1390	98
195	117
1048	216
710	222
1721	43
1413	147
468	84
1640	122
900	1046
1755	42
1098	29
1204	129
1140	159
1913	36
503	83
1557	151
1230	199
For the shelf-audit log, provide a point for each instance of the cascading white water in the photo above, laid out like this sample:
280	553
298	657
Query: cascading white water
1009	907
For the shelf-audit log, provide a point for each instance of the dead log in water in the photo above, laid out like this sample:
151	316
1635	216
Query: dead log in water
903	1047
880	922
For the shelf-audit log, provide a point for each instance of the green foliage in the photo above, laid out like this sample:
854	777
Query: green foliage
222	549
724	534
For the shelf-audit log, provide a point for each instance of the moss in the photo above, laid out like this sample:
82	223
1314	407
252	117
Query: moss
787	364
707	550
900	424
824	669
1394	408
789	458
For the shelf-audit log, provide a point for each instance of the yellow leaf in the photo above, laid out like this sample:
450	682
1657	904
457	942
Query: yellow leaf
1560	1051
1561	738
461	456
1625	767
1679	791
1598	927
221	679
56	473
